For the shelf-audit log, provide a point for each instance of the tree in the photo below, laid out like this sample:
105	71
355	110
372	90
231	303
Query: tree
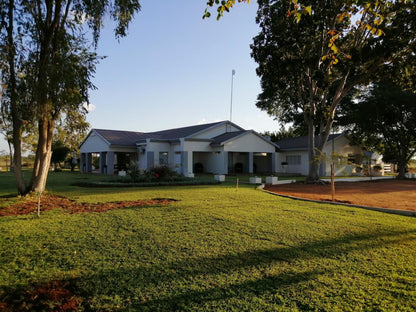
71	129
48	64
6	126
222	6
59	153
284	133
383	118
311	55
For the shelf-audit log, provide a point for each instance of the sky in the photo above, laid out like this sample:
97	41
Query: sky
174	69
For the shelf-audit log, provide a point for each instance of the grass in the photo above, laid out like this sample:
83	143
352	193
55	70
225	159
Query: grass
216	249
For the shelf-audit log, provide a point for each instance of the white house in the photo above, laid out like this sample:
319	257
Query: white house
219	148
293	156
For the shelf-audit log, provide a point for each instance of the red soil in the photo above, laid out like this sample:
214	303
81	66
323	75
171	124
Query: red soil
53	296
394	194
48	202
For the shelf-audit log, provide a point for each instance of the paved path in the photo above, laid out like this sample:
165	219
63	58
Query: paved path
359	179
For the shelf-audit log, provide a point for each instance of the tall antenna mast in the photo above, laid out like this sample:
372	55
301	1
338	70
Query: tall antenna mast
231	105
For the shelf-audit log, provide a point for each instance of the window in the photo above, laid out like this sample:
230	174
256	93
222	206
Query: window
293	159
163	159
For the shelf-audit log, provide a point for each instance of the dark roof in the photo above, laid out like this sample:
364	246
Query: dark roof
130	138
218	140
176	133
119	137
300	143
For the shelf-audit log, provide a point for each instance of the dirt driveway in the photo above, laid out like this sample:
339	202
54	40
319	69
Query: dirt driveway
394	194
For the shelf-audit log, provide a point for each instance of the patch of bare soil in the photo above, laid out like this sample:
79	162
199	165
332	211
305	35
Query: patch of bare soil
53	296
393	194
48	202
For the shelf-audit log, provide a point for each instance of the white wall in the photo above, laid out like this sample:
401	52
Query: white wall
94	144
302	169
249	143
198	146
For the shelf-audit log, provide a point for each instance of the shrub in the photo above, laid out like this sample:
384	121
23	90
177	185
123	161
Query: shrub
162	173
134	172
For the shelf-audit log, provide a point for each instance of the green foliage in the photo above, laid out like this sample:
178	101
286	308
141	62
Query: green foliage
72	128
156	174
383	118
285	133
216	249
222	6
59	152
162	172
47	63
309	60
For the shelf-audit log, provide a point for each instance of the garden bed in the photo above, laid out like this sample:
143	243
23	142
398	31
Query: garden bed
49	202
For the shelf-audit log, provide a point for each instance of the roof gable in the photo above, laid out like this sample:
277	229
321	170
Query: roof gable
229	136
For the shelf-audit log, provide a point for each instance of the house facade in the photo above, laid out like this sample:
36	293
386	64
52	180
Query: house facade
293	156
219	148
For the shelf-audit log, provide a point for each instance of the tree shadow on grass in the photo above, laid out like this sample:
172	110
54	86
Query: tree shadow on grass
146	288
186	272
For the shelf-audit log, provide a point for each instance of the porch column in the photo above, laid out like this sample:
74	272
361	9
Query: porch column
82	163
250	162
103	163
273	164
225	163
186	161
110	162
150	160
89	162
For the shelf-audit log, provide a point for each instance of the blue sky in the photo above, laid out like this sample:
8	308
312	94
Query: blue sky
174	69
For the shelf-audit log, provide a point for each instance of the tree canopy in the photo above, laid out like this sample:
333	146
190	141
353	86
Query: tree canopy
311	54
47	63
383	118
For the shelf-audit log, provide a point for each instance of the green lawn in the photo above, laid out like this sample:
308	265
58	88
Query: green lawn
216	249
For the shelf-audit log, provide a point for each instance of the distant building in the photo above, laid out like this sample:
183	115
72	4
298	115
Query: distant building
293	156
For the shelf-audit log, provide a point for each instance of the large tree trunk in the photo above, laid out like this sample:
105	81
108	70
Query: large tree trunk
401	166
16	117
9	143
45	118
313	174
43	156
17	159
